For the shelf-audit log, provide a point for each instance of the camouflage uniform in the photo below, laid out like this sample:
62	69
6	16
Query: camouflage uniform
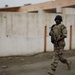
59	30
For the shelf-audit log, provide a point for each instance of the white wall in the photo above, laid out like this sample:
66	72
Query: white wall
23	33
69	11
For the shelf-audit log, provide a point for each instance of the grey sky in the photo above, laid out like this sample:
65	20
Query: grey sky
12	3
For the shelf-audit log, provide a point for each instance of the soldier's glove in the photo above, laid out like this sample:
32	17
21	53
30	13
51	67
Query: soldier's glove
58	40
61	38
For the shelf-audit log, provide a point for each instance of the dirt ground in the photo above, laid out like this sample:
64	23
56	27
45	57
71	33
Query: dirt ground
15	60
17	65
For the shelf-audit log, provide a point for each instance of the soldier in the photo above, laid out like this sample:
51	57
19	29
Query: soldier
58	34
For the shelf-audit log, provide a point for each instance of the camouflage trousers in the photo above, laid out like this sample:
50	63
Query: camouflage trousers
58	56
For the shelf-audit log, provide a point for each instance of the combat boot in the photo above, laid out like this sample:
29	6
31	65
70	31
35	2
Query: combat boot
69	65
50	73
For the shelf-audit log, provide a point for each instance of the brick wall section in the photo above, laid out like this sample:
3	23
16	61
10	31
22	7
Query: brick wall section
48	5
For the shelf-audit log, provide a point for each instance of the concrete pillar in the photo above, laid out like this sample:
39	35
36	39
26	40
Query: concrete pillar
41	11
59	9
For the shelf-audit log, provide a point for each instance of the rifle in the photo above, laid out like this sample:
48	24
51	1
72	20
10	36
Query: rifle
53	38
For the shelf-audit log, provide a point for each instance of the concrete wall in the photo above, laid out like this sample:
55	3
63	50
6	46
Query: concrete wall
68	11
23	33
